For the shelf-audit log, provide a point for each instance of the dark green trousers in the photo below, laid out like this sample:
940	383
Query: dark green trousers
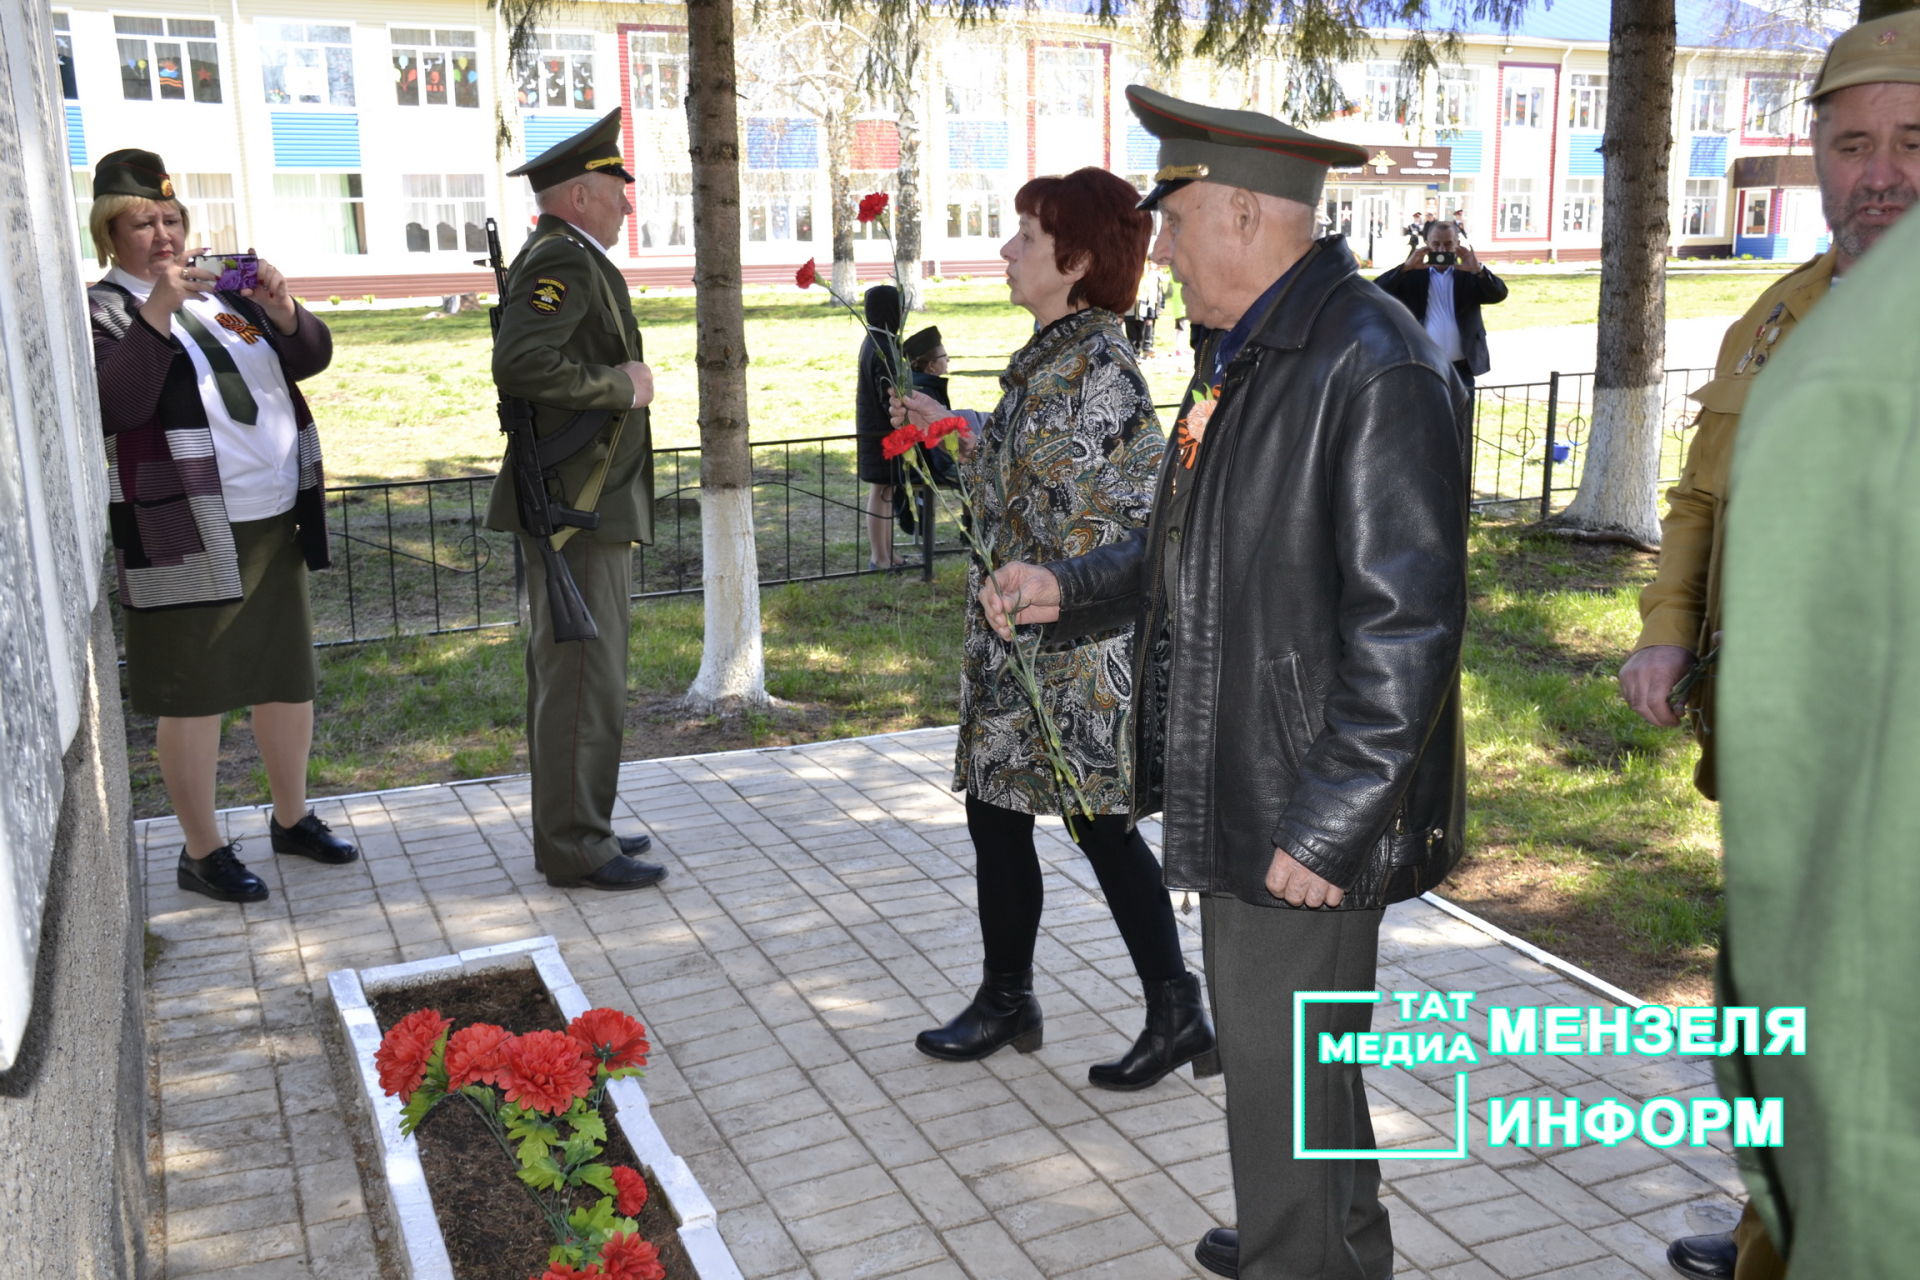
576	708
1298	1219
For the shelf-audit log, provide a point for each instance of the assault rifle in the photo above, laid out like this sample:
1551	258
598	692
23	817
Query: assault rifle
530	460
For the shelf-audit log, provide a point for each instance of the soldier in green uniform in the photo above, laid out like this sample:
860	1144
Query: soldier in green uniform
567	343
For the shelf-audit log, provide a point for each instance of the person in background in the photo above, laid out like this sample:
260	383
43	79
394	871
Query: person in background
217	512
927	358
880	359
1444	284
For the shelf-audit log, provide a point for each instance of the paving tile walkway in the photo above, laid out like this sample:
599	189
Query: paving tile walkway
819	912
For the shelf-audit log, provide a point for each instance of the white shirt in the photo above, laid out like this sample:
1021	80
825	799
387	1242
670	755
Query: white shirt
259	462
1442	325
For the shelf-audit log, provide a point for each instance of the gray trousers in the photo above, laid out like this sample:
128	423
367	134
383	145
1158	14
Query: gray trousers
576	708
1298	1219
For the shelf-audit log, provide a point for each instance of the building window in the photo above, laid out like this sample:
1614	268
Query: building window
1524	103
1586	101
976	82
1385	97
167	55
1516	207
209	197
1707	105
974	205
1776	106
1456	102
659	61
321	212
1700	214
308	63
435	68
866	180
63	52
779	205
1580	206
558	72
1756	212
445	213
1456	204
1067	81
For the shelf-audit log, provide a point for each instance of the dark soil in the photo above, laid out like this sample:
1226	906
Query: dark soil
492	1229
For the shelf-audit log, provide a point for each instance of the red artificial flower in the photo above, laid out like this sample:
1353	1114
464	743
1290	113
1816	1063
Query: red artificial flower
901	439
564	1271
545	1070
473	1055
872	206
806	275
630	1191
612	1036
627	1257
404	1050
941	428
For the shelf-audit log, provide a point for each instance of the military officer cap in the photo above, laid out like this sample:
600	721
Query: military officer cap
1235	148
595	149
1886	49
923	343
132	173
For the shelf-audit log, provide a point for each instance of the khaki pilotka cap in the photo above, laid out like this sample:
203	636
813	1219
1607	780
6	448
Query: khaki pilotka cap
1235	149
1886	49
595	149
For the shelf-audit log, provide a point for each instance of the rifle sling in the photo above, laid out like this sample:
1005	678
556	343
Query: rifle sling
570	439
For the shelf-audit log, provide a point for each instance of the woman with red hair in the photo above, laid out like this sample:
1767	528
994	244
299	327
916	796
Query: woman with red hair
1066	463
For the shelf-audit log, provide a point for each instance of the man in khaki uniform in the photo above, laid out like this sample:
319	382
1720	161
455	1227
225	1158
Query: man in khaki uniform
568	344
1866	147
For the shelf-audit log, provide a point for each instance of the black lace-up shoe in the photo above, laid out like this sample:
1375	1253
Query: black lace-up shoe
618	872
634	846
1219	1252
1704	1257
220	875
311	838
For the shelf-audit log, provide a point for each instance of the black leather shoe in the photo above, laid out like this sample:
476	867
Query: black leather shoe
1219	1252
1705	1257
1177	1033
634	846
310	838
220	875
1003	1013
619	872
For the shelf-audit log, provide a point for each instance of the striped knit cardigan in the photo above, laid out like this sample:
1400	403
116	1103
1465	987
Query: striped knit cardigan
172	542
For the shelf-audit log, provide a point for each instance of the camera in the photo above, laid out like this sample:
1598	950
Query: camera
237	270
1442	258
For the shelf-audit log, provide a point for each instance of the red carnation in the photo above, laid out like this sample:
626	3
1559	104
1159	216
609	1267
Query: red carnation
901	439
806	275
545	1070
404	1050
941	428
563	1271
473	1055
613	1037
630	1191
627	1257
872	206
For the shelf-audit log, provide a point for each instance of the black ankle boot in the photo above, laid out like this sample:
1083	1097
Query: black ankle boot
1003	1012
1177	1032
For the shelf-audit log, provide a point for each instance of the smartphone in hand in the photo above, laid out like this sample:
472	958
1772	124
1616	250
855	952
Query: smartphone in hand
237	270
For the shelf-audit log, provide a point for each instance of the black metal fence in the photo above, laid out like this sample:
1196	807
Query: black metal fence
414	557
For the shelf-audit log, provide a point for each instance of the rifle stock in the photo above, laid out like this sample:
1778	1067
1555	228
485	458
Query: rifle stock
539	514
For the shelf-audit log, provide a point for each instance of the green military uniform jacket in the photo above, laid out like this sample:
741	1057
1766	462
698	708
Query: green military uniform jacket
1681	606
564	327
1820	750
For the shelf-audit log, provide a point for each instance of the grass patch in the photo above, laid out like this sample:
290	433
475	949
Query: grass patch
1536	300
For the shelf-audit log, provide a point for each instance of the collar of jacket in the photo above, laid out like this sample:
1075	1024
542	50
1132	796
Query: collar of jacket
1041	347
1809	284
1289	321
551	224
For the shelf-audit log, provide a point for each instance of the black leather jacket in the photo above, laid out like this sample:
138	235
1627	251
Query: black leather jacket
1313	697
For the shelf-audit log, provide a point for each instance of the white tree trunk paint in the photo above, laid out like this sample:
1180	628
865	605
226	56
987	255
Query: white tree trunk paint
1622	469
732	659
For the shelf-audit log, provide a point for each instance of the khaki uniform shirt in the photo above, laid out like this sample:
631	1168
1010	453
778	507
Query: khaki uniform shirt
566	324
1681	606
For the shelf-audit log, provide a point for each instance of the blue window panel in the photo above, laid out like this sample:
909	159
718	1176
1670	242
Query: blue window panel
1707	157
76	137
1143	149
976	144
783	144
315	140
544	131
1583	155
1467	147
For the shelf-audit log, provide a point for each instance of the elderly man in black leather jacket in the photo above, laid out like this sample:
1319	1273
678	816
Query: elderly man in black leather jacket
1300	596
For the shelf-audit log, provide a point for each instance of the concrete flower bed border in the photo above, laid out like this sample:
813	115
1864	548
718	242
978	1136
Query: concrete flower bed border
406	1185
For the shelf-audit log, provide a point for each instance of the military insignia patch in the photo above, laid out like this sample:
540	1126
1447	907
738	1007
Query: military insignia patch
548	295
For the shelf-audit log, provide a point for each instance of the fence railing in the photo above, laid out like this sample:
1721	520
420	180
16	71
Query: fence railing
413	557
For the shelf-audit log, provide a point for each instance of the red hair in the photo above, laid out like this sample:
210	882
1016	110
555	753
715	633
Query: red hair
1091	216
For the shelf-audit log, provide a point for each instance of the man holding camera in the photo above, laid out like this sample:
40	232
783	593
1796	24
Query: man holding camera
1447	296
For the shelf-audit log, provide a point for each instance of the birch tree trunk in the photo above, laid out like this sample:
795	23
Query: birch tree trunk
906	223
846	279
1616	499
732	662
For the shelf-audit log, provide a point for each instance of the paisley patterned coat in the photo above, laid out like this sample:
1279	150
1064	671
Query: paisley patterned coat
1064	464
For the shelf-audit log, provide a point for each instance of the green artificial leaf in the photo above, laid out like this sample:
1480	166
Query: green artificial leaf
623	1073
532	1148
590	1126
423	1100
595	1222
571	1254
578	1151
543	1174
597	1176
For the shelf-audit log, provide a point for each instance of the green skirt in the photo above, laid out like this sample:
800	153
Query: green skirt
205	660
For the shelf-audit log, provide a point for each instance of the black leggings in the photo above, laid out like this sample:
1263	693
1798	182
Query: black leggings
1008	873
